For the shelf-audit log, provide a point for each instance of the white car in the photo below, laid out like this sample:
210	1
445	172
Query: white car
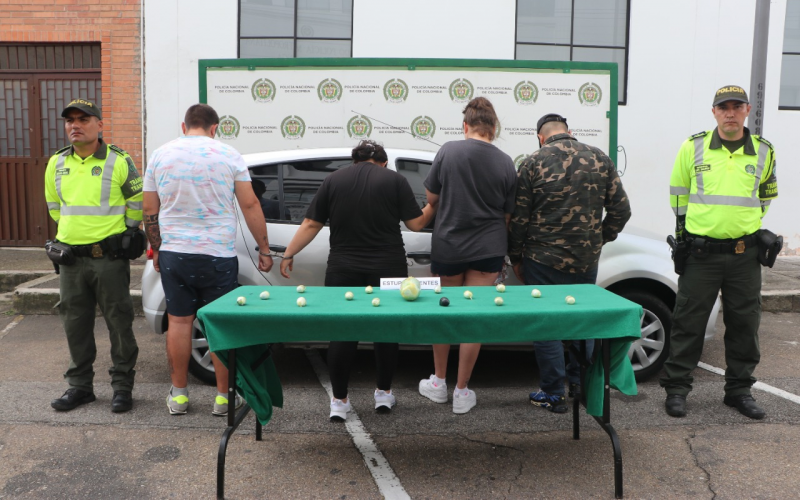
635	267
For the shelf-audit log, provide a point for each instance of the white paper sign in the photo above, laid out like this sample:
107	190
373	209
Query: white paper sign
424	283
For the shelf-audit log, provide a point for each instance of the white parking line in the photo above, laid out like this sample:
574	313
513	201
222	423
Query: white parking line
794	398
385	478
11	326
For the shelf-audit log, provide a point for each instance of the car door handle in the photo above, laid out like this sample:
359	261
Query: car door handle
273	248
423	258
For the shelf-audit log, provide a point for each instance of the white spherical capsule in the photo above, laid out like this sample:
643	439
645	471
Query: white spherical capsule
467	294
570	299
376	302
348	295
368	289
301	302
498	301
241	301
536	293
438	289
501	288
301	288
264	295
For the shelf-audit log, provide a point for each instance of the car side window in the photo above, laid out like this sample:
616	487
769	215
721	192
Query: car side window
415	172
291	185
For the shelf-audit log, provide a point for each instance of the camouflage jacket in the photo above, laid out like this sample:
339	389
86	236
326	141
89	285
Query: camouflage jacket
562	190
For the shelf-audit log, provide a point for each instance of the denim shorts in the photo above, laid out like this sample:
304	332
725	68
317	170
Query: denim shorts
191	281
489	265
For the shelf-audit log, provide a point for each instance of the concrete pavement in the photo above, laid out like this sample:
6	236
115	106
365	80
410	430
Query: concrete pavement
504	448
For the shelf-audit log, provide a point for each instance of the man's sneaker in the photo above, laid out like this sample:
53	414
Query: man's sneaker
71	399
463	404
177	405
384	401
221	405
574	390
433	391
339	410
556	404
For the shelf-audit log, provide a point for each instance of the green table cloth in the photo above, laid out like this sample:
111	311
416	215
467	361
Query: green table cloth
327	316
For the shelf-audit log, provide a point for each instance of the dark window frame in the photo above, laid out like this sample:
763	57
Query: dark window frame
294	38
572	45
787	108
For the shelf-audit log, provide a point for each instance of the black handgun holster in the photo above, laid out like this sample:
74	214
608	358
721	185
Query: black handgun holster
769	246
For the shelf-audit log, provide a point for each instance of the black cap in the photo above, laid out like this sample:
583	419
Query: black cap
87	107
730	93
552	117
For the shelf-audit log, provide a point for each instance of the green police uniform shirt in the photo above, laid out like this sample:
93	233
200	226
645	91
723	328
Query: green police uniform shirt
94	198
723	194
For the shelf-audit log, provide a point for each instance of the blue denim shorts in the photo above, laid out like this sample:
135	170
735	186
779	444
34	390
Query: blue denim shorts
191	281
490	265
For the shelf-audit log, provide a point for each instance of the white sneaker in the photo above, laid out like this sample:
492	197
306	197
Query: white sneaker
384	401
463	404
433	391
339	410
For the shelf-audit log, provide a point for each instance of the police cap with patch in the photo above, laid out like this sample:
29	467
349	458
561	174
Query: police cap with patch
552	117
87	107
730	93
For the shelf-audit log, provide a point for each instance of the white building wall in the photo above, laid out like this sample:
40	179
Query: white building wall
680	52
465	29
176	35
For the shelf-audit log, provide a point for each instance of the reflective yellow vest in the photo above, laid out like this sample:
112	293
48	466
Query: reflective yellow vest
91	199
722	194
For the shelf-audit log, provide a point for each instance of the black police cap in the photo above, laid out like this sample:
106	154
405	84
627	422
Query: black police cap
87	107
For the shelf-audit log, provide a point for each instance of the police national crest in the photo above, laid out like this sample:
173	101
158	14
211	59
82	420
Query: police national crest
228	127
423	127
329	90
590	94
359	127
461	90
293	127
526	93
263	90
395	91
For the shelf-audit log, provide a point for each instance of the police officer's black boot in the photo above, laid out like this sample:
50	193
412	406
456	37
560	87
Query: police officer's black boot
675	405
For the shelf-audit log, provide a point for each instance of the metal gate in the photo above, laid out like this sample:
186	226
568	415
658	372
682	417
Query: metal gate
36	82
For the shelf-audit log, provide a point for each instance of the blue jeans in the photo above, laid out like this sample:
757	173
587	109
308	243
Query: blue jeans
550	354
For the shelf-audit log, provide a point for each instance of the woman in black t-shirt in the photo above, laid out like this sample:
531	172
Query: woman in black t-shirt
364	203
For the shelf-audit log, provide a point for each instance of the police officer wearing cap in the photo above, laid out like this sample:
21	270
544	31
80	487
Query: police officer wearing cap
721	186
94	193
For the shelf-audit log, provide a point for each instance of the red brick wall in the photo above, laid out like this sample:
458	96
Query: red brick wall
116	24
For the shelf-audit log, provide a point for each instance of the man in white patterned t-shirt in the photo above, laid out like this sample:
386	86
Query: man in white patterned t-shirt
189	189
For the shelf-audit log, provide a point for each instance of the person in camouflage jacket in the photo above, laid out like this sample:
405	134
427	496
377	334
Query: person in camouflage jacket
558	229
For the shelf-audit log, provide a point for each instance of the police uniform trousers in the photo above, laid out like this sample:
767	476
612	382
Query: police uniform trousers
739	278
102	282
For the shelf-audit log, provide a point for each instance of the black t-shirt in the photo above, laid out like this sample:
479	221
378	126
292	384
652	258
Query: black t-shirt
365	204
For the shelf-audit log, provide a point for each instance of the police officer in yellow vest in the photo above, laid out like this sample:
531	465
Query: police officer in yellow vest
94	193
721	186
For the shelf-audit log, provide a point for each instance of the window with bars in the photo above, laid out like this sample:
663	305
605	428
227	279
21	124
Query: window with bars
49	56
295	28
790	65
575	30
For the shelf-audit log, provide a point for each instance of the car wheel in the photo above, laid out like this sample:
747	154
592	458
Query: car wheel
648	353
200	364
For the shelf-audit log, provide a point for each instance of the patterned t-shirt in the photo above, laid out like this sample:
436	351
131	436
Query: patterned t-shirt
194	178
